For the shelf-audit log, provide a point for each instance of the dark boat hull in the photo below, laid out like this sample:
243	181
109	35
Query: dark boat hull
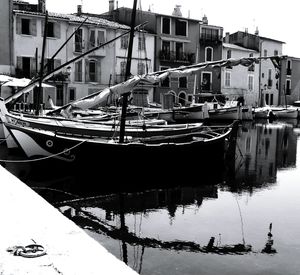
166	160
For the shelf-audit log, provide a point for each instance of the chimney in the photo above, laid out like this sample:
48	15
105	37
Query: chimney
111	5
256	31
226	40
205	20
79	10
42	6
177	11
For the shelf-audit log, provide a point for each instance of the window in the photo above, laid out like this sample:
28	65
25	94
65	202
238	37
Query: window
206	80
100	38
270	82
180	27
92	39
166	50
210	34
179	50
227	79
288	87
166	23
141	43
78	71
50	65
275	52
26	26
50	29
289	67
92	71
141	68
124	42
271	99
72	93
78	41
182	82
251	68
123	68
26	67
265	53
250	82
228	54
25	29
59	95
208	54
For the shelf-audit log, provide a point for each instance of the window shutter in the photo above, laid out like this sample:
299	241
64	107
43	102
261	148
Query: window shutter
98	71
57	63
42	27
19	62
87	79
33	69
19	25
33	27
57	30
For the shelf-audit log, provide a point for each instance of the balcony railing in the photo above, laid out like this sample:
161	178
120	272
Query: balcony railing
173	56
210	37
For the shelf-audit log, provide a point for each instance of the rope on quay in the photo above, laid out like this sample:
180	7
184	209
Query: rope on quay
43	158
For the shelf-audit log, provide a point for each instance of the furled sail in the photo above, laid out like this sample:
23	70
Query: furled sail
100	98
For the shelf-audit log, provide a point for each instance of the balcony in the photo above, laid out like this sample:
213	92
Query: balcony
210	37
173	56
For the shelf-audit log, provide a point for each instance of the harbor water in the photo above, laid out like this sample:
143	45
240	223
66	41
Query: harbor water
240	218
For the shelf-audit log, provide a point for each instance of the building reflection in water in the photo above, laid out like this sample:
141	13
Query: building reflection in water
262	149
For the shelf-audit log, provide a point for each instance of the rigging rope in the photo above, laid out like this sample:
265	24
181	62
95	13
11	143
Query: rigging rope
44	158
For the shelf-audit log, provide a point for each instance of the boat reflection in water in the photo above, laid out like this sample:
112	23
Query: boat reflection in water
194	226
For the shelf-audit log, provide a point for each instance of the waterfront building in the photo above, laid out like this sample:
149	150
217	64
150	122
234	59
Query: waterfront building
6	45
268	78
176	41
240	81
290	80
99	69
210	49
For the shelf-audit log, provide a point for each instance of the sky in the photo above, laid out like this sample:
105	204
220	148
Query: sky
275	19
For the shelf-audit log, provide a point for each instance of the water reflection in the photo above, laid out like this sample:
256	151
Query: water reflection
261	149
150	223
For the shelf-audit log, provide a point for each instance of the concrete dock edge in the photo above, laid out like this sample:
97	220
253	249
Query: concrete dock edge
25	216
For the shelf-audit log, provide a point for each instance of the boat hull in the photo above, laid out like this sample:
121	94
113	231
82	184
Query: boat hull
138	157
93	129
229	113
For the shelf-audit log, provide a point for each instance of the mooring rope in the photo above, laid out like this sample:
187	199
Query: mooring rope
43	158
56	190
2	140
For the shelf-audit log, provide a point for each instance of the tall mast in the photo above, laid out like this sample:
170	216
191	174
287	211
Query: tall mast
127	74
195	80
39	94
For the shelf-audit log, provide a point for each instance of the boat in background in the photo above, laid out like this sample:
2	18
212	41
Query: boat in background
263	112
285	111
223	112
